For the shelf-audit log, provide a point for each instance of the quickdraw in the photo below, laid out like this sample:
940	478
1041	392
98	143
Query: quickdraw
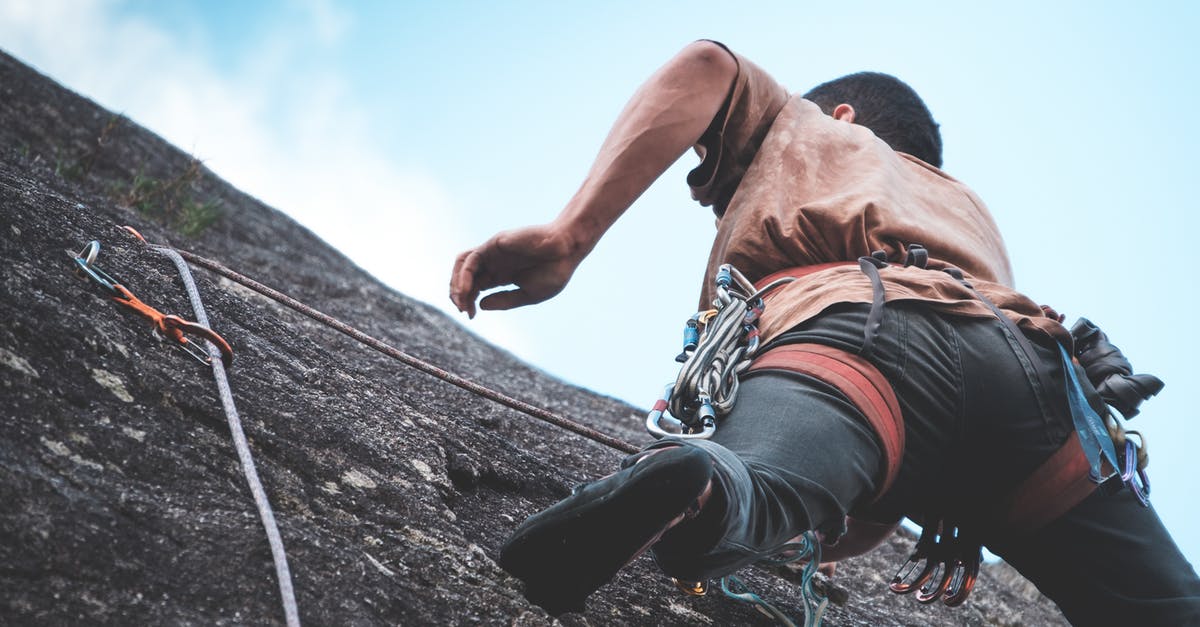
171	327
948	563
718	345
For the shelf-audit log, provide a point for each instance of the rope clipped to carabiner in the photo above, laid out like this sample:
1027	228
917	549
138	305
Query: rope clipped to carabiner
173	328
718	345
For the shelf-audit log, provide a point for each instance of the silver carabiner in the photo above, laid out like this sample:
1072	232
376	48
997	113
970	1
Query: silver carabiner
659	413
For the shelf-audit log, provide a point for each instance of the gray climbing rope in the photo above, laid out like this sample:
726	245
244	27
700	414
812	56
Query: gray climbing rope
278	555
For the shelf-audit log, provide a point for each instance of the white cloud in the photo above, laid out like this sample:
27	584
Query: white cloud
328	22
312	156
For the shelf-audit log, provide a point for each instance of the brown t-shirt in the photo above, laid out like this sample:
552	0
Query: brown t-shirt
794	187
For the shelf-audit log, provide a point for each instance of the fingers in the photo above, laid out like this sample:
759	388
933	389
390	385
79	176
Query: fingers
531	288
464	288
509	299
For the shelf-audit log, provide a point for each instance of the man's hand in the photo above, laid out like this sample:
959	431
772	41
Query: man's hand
538	260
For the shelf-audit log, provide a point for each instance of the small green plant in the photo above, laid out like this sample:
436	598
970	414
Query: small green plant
145	194
68	168
198	216
172	203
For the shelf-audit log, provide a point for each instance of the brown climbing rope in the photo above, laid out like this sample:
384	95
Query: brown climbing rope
404	357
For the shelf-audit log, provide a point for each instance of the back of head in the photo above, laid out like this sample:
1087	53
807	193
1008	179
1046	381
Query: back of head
887	106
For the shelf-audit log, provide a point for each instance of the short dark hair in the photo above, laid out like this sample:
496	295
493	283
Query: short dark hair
887	106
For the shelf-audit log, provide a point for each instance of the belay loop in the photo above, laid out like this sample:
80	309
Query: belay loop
718	345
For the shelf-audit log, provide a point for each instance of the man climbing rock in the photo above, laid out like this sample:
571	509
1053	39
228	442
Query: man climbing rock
899	373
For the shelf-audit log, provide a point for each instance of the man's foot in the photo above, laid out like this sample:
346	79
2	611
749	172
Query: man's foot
566	552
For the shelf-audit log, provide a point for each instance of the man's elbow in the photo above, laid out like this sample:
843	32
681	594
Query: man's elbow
709	59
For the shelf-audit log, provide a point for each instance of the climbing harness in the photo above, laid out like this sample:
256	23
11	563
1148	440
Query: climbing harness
860	382
718	345
944	548
172	328
1106	367
218	356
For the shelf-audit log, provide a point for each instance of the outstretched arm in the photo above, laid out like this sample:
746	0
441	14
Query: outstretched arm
666	116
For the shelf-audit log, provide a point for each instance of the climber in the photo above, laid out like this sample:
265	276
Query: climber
967	404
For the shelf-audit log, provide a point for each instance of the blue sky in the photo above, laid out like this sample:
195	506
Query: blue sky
403	132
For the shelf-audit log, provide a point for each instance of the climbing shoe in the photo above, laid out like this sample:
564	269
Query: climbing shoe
566	552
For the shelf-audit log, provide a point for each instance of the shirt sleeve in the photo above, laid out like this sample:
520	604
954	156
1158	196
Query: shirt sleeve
735	134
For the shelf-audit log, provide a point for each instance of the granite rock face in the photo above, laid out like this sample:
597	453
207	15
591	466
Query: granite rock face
121	496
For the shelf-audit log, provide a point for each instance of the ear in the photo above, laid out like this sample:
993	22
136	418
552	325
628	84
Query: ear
844	112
